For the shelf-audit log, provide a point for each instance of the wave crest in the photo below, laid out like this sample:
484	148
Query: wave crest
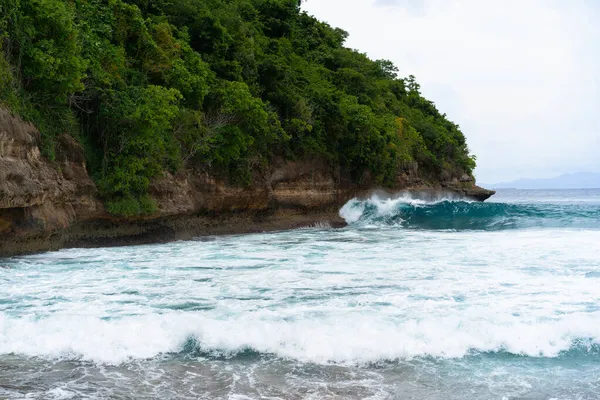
360	339
461	215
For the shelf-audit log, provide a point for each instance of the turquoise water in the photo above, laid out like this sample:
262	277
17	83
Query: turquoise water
413	300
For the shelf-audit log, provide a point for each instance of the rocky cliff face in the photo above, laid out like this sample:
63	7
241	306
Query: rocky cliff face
37	197
47	205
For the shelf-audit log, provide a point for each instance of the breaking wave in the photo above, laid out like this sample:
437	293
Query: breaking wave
462	215
356	340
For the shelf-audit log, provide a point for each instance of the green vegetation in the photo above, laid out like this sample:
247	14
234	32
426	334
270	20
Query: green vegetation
219	85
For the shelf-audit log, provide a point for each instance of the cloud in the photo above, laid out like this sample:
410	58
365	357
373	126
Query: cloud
521	77
414	6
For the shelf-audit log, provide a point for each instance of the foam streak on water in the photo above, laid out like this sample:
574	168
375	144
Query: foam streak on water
412	300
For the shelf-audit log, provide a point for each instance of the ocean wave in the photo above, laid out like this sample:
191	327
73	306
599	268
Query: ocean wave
455	214
350	340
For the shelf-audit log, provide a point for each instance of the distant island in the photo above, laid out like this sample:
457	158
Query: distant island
579	180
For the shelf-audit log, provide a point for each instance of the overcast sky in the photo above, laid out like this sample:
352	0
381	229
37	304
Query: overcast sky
520	77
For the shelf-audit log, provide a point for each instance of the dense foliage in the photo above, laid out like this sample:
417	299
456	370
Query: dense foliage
224	85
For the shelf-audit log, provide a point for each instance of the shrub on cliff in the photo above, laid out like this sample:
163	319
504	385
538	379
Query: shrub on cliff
218	85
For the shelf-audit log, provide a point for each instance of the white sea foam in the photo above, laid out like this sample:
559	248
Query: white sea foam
352	211
387	206
318	225
347	296
354	339
61	394
428	298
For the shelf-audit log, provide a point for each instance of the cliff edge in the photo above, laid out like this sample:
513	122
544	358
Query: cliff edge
47	205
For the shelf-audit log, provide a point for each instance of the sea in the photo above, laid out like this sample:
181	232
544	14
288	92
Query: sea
445	299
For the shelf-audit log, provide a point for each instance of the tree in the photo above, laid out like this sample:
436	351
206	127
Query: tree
226	86
388	69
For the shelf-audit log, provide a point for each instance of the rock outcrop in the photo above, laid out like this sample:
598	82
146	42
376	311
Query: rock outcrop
46	205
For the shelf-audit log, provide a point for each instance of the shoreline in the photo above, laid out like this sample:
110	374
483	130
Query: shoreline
47	204
107	231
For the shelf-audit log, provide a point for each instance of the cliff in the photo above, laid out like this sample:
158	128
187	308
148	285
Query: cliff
47	205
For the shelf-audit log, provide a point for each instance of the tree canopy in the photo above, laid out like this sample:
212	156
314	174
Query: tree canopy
222	85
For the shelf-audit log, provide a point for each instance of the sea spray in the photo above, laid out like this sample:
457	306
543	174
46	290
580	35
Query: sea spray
352	339
413	299
460	214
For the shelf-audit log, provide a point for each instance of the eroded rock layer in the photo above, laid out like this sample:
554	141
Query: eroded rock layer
47	205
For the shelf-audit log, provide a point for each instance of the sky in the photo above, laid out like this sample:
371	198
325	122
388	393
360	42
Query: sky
520	77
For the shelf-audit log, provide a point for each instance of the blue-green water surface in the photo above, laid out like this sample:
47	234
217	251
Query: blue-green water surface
413	300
